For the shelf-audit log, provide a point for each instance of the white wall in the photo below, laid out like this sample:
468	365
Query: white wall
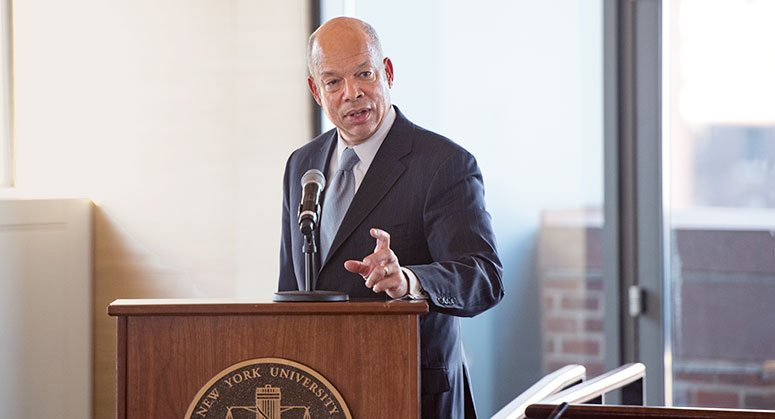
176	117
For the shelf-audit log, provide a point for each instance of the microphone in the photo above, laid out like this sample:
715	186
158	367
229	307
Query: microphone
312	183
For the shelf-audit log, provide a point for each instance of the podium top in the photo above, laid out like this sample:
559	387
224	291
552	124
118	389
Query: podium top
144	307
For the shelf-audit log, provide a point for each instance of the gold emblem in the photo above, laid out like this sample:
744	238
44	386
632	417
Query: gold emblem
268	388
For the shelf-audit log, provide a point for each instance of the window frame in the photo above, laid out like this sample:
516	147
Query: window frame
643	235
7	130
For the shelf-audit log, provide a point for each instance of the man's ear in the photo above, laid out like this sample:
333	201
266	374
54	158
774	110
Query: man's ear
388	71
314	89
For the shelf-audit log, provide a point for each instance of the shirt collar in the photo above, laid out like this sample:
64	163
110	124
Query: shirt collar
367	150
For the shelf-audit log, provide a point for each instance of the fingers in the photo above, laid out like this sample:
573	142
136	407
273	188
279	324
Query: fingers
357	267
382	258
383	239
394	283
383	278
381	269
376	271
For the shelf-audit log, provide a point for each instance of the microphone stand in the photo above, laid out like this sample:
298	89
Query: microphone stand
309	260
308	224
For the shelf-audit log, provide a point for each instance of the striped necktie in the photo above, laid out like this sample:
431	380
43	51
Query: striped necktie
337	200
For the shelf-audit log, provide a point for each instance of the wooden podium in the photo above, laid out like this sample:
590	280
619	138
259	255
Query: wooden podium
169	349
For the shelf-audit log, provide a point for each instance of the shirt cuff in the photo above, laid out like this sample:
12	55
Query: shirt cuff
415	289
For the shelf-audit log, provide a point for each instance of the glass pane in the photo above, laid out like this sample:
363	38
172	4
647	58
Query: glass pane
6	145
720	58
519	84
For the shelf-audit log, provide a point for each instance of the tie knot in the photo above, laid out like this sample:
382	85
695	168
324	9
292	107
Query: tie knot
349	159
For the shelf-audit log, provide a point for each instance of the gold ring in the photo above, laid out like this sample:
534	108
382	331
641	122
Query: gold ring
387	271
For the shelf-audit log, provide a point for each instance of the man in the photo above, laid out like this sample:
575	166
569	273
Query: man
417	195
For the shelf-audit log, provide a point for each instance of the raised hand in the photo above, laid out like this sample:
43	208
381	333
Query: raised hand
381	269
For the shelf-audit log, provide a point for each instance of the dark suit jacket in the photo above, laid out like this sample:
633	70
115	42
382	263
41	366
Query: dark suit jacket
427	192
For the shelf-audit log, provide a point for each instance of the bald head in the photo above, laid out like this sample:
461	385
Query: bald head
345	32
349	77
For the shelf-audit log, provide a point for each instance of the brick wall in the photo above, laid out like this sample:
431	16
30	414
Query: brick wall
724	334
724	308
722	385
572	292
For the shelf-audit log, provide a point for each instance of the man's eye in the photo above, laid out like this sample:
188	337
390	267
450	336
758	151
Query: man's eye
330	82
366	74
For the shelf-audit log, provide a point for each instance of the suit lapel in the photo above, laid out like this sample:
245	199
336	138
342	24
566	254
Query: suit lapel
384	171
320	159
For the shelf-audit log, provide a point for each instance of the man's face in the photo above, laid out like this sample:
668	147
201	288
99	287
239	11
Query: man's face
350	83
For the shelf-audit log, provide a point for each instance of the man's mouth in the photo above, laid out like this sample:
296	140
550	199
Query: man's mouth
358	115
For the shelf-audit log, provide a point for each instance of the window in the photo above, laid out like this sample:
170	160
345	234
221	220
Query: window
6	97
720	59
520	85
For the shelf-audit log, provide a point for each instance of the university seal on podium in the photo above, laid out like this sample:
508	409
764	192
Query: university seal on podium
268	388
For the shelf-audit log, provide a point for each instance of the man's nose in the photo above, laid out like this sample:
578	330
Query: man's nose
352	90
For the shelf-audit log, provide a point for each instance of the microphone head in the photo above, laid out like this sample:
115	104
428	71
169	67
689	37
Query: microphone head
313	175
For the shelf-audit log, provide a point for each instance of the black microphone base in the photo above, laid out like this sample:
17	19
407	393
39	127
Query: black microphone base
307	296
